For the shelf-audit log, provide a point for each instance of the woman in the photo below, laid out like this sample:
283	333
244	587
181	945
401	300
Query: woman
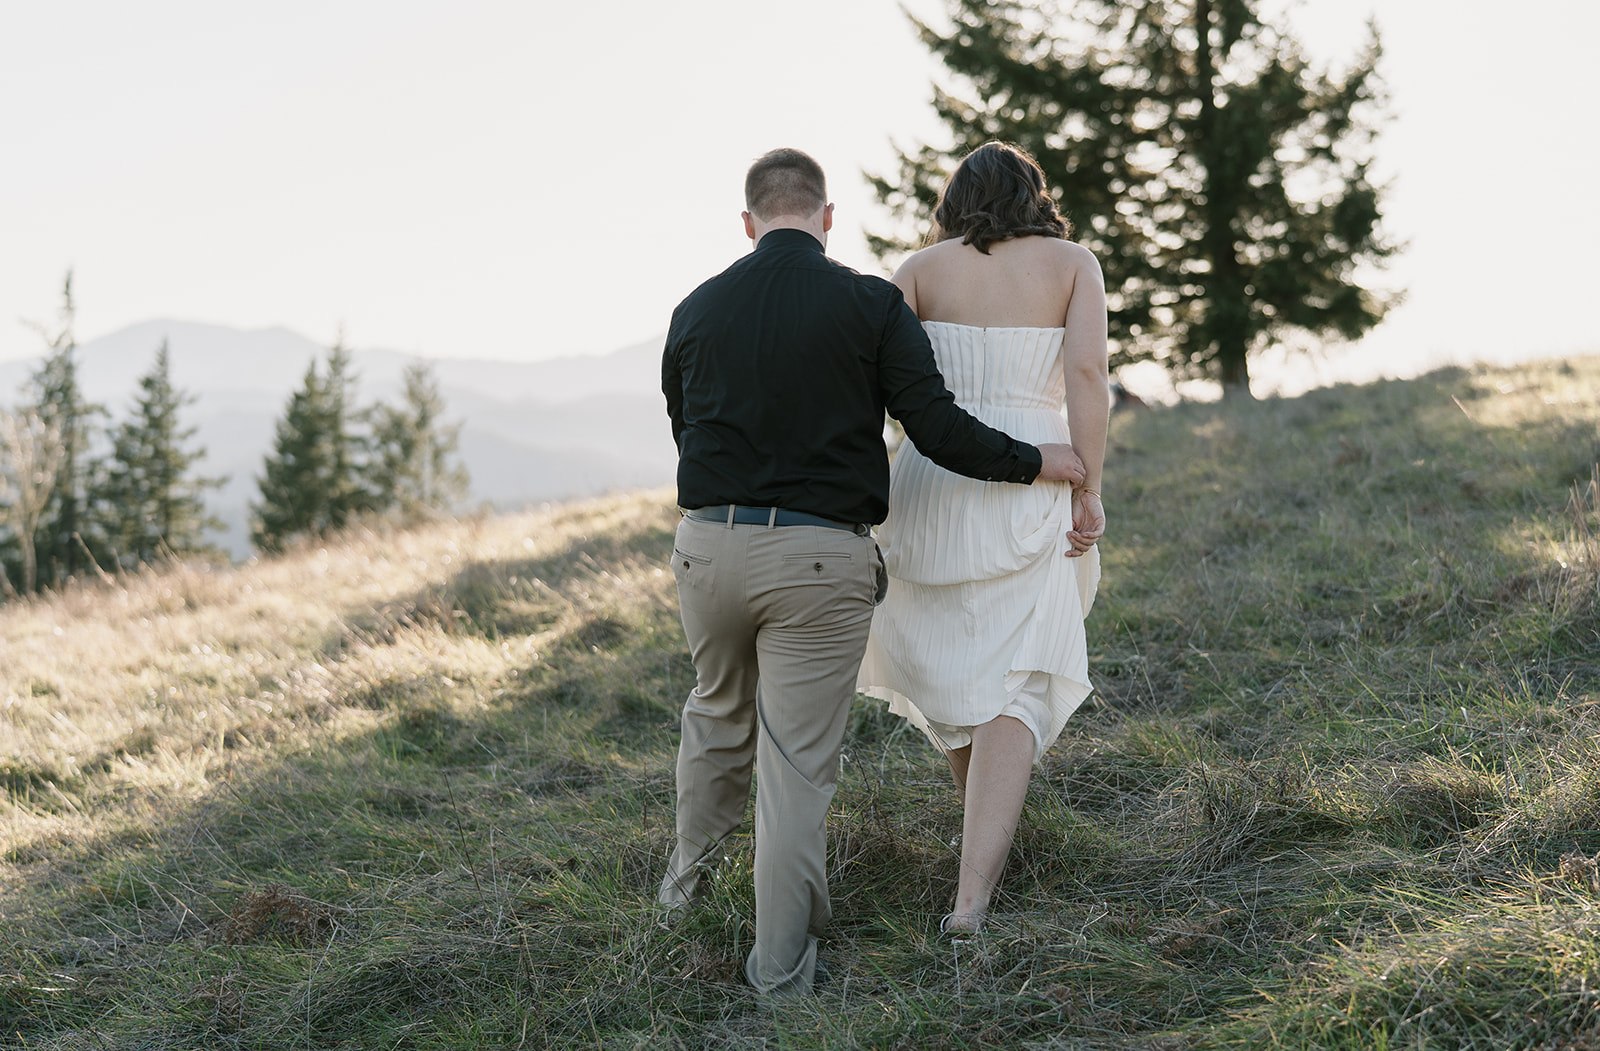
980	643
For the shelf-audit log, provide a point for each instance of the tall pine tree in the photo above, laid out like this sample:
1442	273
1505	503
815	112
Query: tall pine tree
152	501
66	530
1224	185
413	472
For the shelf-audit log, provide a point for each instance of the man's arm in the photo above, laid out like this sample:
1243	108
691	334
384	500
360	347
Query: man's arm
672	388
1061	464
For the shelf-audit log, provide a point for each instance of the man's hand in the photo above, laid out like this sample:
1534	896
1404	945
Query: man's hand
1088	521
1061	464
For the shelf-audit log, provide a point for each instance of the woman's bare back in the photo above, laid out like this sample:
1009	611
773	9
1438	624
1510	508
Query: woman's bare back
1026	282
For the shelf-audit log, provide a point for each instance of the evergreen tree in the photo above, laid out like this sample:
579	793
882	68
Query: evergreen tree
1223	184
151	500
294	498
413	471
348	496
311	481
65	529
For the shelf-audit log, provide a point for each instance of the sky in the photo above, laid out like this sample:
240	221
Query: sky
525	180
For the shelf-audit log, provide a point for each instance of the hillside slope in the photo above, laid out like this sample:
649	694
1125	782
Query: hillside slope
1336	789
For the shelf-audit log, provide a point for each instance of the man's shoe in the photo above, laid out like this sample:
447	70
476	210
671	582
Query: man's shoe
668	917
821	975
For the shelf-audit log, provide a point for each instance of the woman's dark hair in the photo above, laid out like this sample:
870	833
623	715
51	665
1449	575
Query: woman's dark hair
997	192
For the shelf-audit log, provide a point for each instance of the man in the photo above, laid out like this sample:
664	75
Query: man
777	373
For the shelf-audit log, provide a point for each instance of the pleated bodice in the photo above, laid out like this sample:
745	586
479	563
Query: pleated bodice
1011	379
1002	372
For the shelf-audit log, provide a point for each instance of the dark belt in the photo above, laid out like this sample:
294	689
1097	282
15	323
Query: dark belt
724	514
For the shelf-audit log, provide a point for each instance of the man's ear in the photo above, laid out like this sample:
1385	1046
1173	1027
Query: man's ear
749	225
827	218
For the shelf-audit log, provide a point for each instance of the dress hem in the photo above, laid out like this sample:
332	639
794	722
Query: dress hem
1060	712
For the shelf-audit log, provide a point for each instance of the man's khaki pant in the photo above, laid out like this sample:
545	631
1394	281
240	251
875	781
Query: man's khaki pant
777	622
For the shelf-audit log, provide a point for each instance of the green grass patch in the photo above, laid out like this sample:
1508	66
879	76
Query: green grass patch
1336	787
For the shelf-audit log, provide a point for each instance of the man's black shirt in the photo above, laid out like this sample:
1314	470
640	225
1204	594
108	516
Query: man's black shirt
777	373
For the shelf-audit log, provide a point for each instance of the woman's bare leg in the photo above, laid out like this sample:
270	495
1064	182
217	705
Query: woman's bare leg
996	775
960	760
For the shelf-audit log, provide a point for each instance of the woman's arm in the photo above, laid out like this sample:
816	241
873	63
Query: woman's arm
1088	395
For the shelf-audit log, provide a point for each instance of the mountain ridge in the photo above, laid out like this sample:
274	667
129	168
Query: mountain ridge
531	432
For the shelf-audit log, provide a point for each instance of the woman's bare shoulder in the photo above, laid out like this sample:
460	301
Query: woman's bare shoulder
1078	261
915	261
931	262
935	253
1070	252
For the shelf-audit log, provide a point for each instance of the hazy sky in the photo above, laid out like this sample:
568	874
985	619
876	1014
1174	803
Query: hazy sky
530	179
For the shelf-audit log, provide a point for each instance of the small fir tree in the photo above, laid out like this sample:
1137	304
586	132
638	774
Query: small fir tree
311	481
413	471
294	497
152	501
348	494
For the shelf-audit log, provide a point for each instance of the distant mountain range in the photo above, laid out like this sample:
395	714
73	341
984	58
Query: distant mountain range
532	431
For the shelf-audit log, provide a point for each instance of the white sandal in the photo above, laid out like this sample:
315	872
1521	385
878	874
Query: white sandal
954	924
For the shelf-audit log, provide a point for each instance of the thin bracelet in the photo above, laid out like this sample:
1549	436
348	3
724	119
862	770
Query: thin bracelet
1086	489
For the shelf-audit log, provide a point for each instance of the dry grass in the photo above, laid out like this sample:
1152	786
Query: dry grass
158	685
1336	789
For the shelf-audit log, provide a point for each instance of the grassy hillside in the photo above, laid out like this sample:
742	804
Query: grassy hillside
1339	785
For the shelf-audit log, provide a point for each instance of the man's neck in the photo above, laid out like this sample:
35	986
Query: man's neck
816	224
798	227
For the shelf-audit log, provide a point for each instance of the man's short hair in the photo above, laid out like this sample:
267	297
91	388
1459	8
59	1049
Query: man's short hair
784	182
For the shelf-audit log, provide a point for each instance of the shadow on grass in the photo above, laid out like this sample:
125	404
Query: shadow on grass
1288	759
476	860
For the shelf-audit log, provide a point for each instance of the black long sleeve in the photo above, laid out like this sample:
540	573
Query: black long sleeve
777	373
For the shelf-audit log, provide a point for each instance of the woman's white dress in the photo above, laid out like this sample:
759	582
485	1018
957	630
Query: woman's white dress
984	610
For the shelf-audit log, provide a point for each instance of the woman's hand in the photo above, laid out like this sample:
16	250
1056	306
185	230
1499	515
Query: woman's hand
1088	521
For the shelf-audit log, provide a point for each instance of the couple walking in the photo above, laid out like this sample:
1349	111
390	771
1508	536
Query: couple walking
969	620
